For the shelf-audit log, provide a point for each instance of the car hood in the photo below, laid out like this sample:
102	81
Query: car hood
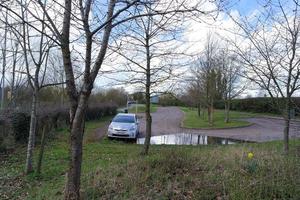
122	126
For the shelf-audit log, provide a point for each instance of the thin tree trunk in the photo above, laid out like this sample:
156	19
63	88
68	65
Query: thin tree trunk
32	131
13	90
41	154
148	125
210	114
227	109
4	65
77	132
147	112
199	109
287	126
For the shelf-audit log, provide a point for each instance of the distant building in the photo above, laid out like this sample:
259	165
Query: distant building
154	99
129	103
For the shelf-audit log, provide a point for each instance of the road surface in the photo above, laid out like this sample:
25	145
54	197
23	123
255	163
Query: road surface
167	120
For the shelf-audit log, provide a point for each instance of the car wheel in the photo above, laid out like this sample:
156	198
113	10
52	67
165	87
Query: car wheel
137	134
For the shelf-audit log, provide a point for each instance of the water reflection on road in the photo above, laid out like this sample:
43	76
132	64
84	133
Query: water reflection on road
187	139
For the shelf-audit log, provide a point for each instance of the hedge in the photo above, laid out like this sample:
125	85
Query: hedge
15	123
259	105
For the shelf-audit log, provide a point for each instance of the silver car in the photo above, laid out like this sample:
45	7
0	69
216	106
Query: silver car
124	126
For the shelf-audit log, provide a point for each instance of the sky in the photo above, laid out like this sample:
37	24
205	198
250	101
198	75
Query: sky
245	7
196	33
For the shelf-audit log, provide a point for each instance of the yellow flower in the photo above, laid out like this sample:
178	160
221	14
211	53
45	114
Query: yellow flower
250	155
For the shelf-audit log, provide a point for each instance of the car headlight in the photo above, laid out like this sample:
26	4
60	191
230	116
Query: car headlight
132	128
110	128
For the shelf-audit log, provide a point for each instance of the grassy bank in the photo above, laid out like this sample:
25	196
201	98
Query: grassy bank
115	170
141	108
191	119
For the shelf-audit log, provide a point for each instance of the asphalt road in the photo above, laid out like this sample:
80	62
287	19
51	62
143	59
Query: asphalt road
167	120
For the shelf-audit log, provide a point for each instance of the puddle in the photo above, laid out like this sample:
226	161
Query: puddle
188	139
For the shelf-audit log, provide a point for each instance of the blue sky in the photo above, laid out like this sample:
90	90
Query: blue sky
245	6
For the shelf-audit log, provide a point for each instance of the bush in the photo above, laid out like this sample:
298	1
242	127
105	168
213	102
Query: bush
170	100
259	105
97	111
20	123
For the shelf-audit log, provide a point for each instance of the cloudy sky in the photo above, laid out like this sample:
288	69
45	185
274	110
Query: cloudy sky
195	35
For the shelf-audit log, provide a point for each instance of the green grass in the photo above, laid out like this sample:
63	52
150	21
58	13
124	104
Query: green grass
191	119
90	129
141	108
116	170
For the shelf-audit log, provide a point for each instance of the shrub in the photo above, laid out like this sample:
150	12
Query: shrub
259	105
20	122
170	100
97	111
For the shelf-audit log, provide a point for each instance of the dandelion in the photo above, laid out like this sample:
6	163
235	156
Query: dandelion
250	155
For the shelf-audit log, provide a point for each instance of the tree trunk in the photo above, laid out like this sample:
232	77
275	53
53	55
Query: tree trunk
199	109
77	131
41	154
4	65
13	89
32	132
210	114
148	126
227	109
147	112
286	131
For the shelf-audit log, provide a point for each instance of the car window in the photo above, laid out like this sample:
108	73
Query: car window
124	119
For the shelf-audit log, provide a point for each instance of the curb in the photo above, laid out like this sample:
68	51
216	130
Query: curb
205	129
279	118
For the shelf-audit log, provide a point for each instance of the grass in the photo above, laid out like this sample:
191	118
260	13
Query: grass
191	119
91	127
141	108
116	170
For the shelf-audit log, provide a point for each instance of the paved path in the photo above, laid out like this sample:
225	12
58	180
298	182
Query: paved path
167	120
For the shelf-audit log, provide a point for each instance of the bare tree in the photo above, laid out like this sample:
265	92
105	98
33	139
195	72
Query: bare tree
4	63
12	58
230	79
207	75
270	53
36	81
35	47
195	89
71	22
151	55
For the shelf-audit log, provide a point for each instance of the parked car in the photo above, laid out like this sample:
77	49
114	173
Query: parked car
124	125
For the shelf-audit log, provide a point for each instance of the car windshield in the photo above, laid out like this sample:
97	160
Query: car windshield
123	119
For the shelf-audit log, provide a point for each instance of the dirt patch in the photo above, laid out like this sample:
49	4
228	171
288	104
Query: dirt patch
101	132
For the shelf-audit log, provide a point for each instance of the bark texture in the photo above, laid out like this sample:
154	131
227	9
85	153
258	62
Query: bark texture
79	99
287	125
148	103
41	154
32	132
